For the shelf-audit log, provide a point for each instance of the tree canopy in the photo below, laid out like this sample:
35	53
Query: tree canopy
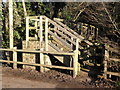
93	13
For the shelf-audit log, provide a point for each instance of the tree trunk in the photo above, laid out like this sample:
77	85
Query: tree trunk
1	25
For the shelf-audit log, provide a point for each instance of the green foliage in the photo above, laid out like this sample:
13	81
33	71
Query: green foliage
17	35
67	11
118	83
33	9
67	15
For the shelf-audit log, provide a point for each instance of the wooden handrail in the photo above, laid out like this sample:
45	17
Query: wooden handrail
113	50
73	32
65	36
59	27
67	33
115	59
113	73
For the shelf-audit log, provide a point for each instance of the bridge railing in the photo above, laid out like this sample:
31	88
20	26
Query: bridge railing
46	27
108	59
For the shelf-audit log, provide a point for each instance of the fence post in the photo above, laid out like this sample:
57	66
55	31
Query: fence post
78	52
41	61
47	59
75	60
96	37
81	29
75	64
46	34
41	31
36	26
106	58
15	57
41	40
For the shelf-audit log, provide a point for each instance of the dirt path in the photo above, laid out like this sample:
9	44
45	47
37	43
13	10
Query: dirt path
15	82
28	78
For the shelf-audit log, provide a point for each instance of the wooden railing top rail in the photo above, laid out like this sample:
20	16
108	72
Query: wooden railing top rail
73	32
67	33
64	36
113	50
37	51
113	73
32	17
59	27
115	59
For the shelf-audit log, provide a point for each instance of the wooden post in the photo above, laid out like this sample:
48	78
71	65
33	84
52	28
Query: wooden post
71	43
75	59
47	59
71	60
41	40
81	29
109	75
27	31
41	31
77	48
75	64
96	34
15	58
106	58
11	23
41	60
36	29
46	34
77	44
93	33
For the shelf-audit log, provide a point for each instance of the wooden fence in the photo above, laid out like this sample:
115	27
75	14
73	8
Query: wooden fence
15	62
108	59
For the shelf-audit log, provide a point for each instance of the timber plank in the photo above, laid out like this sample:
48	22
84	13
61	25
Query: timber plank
73	32
113	50
62	42
115	59
55	47
37	51
113	73
64	36
33	64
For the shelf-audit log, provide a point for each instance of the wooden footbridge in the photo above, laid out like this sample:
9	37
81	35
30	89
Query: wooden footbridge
52	37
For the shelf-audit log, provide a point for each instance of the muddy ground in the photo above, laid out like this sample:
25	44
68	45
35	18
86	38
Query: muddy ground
29	78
